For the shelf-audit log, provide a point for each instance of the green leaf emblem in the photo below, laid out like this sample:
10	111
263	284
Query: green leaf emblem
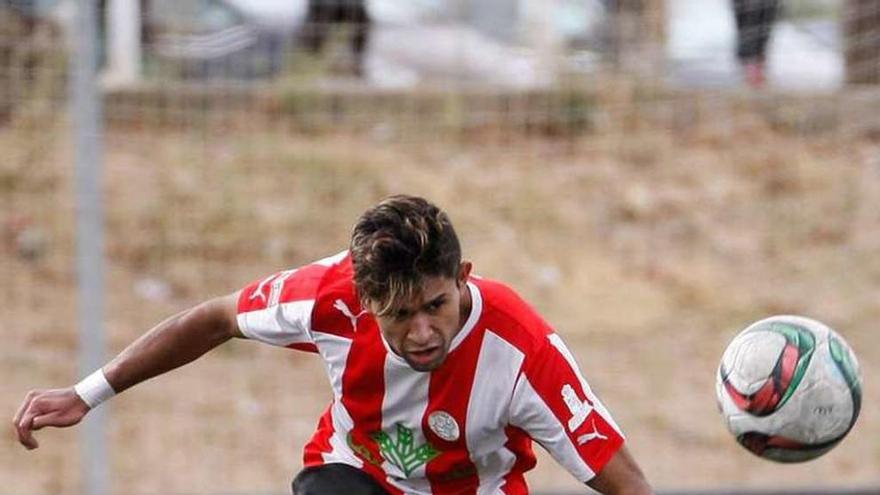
402	452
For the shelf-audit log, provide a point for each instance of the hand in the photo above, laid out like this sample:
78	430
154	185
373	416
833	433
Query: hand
57	407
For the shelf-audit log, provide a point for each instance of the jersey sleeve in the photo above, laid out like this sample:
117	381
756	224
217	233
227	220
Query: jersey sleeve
278	309
553	403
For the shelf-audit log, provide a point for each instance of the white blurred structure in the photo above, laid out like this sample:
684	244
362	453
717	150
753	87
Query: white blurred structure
508	43
124	50
702	52
513	43
519	44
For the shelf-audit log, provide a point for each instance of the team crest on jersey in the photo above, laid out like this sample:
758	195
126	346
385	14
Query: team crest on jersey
402	451
443	424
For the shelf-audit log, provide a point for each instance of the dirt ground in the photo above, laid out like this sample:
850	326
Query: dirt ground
648	240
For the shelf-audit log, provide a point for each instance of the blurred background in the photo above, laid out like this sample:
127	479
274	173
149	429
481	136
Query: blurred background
652	175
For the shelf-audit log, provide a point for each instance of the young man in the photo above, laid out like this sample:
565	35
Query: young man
441	380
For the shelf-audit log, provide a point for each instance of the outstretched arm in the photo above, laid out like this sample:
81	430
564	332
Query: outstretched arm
174	342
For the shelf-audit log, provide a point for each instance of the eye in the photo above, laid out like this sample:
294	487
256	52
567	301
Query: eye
436	304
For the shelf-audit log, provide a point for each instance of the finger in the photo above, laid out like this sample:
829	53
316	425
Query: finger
39	422
25	436
25	425
30	442
24	405
53	418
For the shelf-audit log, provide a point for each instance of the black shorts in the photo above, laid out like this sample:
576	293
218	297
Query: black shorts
330	479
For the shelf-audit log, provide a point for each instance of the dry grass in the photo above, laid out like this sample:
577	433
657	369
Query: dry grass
647	241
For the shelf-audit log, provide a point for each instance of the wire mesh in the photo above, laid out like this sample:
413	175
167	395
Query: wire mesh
618	163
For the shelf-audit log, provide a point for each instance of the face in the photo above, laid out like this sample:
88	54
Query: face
421	330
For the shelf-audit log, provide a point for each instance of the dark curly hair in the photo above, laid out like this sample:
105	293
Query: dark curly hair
398	243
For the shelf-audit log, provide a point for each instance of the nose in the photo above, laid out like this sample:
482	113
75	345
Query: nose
420	332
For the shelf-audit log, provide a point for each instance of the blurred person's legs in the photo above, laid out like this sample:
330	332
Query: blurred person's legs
754	24
360	22
314	30
324	15
335	478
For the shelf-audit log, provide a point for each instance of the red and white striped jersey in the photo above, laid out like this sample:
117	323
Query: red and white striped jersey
466	427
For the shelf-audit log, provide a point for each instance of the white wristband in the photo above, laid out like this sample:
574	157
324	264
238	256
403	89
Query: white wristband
94	389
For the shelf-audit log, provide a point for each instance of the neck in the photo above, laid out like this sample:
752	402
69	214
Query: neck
465	305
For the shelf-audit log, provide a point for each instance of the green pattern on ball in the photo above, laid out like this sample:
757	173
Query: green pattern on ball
805	341
841	357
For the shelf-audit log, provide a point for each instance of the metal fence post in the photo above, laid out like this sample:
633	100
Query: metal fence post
87	134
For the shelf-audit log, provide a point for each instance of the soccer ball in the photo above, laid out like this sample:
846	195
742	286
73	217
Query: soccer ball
789	388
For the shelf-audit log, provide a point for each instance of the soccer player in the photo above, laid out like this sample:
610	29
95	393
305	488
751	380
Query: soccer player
441	379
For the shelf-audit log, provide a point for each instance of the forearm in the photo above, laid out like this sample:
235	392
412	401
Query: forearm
621	476
174	342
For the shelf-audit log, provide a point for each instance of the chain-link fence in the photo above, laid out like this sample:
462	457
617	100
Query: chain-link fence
647	179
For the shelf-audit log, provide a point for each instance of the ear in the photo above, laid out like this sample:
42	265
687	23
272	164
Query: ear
464	272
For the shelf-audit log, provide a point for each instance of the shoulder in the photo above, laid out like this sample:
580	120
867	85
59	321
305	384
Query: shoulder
283	308
337	304
302	284
332	274
336	273
512	318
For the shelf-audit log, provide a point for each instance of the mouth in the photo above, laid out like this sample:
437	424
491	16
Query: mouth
424	357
